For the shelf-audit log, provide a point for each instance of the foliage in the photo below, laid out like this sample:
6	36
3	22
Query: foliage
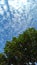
3	59
22	49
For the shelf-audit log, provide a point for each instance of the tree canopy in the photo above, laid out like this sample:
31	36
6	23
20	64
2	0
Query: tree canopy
22	49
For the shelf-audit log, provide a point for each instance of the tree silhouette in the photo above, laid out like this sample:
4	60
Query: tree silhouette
22	50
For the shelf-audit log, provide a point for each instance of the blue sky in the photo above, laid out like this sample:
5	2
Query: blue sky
15	17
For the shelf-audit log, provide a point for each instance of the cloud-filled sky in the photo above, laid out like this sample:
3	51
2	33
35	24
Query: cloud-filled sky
15	17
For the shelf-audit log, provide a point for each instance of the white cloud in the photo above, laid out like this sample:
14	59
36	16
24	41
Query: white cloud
1	11
1	1
17	3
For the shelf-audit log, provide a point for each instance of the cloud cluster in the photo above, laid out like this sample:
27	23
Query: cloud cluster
15	18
